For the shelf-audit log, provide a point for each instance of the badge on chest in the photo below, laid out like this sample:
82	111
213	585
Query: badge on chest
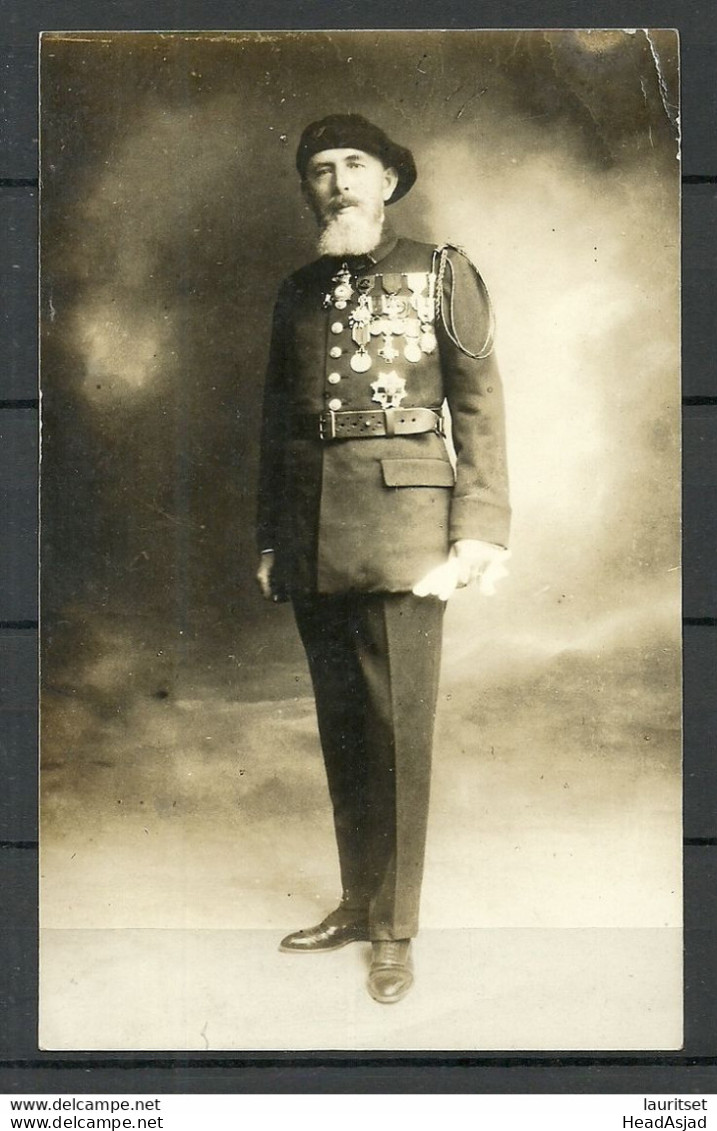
389	389
390	317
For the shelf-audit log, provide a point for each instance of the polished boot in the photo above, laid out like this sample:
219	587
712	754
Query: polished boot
340	927
391	974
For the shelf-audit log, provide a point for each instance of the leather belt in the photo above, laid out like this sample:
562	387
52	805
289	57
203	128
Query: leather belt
367	425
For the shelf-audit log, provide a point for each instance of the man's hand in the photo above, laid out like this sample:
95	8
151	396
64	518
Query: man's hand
263	575
439	582
480	561
469	560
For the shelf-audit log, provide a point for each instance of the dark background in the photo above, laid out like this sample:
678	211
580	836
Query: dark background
698	34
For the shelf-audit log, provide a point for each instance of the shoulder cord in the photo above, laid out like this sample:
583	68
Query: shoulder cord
441	254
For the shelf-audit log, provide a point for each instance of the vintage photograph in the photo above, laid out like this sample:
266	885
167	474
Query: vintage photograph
360	595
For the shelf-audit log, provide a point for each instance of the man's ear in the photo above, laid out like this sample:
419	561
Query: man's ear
390	180
308	197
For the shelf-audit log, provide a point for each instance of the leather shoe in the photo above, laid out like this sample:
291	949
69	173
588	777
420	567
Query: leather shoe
336	930
391	974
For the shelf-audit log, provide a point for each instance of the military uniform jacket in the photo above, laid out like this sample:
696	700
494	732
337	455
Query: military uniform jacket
375	514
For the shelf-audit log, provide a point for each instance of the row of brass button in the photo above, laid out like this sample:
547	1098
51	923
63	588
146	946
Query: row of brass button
333	378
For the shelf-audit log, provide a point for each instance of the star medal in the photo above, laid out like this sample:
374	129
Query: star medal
389	389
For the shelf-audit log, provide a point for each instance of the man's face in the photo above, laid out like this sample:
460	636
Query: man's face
338	180
347	189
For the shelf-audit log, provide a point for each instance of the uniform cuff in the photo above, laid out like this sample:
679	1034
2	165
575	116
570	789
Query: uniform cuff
484	522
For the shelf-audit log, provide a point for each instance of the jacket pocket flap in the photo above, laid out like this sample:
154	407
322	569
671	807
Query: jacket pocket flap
417	473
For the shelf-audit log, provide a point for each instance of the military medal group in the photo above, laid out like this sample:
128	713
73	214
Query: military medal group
403	322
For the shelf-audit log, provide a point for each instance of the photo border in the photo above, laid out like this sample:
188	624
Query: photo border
22	1067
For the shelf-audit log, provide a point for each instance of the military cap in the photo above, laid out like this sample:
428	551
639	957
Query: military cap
352	131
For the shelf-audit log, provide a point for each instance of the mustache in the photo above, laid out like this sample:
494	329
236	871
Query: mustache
335	206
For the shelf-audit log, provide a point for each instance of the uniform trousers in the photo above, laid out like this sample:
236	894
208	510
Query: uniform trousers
374	660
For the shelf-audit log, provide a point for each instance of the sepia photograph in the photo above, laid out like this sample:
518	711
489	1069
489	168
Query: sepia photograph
360	540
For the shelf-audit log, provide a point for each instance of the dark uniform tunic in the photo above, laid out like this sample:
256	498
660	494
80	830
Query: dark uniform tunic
356	522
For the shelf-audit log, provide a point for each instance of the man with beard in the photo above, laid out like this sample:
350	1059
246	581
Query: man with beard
365	522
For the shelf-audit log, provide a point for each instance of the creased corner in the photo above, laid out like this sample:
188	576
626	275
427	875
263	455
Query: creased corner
668	107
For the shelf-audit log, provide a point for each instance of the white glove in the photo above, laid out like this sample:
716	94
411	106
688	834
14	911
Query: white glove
469	560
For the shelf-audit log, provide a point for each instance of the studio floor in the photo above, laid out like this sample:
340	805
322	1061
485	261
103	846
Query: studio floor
186	829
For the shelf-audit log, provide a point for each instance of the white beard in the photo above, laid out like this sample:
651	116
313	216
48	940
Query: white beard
351	233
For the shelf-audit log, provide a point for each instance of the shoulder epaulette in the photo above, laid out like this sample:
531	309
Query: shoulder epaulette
441	263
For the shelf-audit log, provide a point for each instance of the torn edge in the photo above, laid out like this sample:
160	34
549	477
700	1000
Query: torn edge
667	106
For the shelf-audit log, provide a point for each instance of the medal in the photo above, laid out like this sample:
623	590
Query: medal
360	322
427	341
360	361
397	326
391	284
389	389
342	290
411	327
365	285
416	281
379	326
362	336
412	351
361	315
387	351
395	306
424	308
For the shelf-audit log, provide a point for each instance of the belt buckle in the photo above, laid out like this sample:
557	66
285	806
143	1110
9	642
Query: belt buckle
327	425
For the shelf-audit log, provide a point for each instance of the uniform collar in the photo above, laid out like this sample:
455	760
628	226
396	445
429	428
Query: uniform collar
389	239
